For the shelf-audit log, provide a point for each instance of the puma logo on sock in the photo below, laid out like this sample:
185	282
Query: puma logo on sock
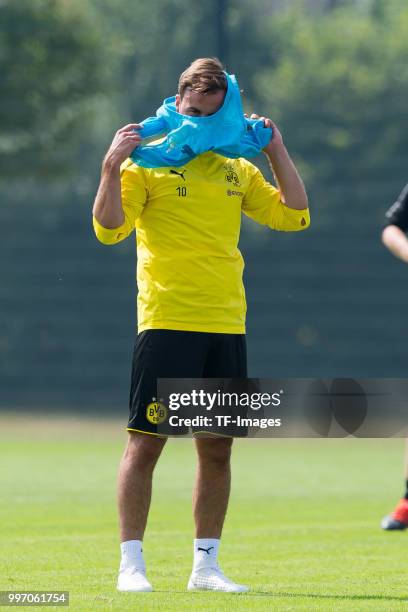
207	550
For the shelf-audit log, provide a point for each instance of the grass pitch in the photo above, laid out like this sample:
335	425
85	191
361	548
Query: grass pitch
302	528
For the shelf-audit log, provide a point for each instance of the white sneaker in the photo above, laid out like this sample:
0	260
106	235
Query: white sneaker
212	579
133	580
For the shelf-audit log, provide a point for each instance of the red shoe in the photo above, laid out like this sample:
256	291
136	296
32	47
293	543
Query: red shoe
398	519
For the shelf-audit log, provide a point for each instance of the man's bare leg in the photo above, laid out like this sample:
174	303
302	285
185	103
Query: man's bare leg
134	495
406	460
135	483
210	502
212	486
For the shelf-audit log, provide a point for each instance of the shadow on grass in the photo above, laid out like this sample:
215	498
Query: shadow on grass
321	596
282	594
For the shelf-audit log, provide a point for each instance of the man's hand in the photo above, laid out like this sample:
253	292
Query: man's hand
276	135
123	143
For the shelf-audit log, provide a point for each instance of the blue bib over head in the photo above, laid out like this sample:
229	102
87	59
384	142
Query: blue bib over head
226	132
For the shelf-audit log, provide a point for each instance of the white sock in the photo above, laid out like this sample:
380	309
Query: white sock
132	556
205	553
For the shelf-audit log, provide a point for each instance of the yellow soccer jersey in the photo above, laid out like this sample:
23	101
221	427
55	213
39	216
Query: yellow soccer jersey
187	220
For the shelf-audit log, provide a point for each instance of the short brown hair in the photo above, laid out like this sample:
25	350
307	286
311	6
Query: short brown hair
204	75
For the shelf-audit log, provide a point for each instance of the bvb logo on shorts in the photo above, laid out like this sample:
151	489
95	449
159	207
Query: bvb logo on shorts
156	413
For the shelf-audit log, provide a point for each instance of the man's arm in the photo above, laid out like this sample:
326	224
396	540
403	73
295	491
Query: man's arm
284	208
107	208
396	242
393	235
290	184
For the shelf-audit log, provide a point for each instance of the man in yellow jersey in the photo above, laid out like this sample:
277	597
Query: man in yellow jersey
191	301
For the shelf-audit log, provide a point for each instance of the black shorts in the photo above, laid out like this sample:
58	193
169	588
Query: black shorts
165	353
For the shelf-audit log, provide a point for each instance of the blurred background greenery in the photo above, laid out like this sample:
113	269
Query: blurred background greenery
332	74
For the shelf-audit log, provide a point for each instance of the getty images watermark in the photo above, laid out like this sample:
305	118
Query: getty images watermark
302	408
219	400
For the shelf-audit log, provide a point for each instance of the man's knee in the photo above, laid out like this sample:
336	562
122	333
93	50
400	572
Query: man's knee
143	449
216	451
